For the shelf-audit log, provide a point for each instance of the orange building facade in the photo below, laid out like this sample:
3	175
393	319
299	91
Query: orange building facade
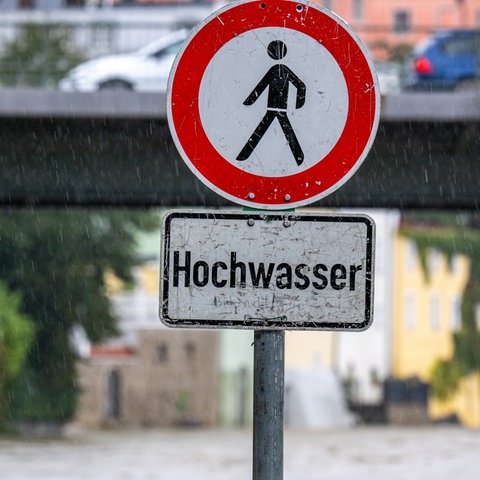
383	24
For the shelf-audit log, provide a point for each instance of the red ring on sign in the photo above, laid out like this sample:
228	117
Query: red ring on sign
331	171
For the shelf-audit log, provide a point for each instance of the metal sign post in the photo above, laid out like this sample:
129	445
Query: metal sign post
268	403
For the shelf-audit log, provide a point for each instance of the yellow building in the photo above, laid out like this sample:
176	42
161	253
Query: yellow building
304	350
427	311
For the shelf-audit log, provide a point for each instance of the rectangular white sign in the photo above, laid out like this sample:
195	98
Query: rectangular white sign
267	270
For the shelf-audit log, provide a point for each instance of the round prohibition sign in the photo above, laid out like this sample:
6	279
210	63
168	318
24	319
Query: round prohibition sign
273	104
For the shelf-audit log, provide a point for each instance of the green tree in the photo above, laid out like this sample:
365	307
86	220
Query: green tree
16	334
58	260
453	234
39	56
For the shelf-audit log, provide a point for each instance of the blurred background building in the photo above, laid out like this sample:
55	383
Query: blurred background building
155	376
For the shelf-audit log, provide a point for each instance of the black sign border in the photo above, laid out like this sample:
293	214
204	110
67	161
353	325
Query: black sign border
267	324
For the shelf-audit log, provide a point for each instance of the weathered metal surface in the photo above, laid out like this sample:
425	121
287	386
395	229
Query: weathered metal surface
268	404
267	271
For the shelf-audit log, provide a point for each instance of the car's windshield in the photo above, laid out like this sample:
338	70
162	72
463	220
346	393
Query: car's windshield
167	42
423	46
171	49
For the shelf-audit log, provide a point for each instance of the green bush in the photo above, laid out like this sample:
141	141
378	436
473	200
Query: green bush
39	57
16	335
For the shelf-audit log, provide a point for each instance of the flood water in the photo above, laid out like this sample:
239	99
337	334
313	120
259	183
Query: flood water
438	453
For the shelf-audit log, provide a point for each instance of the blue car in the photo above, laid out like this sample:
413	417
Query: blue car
448	60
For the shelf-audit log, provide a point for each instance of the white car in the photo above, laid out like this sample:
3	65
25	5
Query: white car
146	69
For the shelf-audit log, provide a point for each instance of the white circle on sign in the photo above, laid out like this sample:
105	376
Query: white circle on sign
236	70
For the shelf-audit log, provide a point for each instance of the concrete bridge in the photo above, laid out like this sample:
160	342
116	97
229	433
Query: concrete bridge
114	148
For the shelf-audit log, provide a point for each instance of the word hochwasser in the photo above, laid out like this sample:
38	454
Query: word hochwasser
240	274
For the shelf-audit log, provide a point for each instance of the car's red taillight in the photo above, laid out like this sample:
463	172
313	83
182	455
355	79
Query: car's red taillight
423	66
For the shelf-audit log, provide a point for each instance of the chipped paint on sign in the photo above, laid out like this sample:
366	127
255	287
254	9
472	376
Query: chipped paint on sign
259	270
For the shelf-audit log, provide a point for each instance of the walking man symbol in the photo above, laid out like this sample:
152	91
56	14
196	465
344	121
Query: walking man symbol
277	80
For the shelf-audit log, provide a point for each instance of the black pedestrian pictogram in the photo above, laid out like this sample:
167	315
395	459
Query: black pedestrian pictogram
277	80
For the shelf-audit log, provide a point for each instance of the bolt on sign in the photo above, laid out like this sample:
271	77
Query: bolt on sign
273	104
267	270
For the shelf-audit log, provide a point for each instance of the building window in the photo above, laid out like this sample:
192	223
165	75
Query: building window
455	263
401	21
162	353
328	4
113	395
357	9
455	313
410	311
435	312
